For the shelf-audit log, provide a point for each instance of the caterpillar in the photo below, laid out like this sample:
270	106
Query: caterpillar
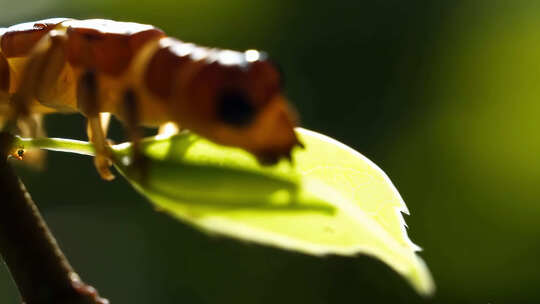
144	78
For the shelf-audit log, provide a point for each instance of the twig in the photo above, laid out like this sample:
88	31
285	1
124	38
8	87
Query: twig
39	268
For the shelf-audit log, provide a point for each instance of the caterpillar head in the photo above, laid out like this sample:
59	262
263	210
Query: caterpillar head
244	106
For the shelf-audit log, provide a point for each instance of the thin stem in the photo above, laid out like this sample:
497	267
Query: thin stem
56	144
39	268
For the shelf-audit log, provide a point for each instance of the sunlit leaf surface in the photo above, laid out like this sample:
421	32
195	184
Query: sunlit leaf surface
332	200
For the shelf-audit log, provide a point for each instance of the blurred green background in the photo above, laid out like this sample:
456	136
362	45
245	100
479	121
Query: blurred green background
442	95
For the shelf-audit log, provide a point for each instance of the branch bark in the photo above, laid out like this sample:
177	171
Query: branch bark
40	270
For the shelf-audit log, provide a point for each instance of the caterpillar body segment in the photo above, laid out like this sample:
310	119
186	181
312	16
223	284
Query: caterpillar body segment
137	73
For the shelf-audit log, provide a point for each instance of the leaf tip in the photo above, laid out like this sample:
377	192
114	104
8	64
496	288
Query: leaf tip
421	278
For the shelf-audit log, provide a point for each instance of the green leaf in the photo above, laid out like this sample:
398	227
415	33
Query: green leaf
332	200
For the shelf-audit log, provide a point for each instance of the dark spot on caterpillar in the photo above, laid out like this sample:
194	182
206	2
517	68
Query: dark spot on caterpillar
131	111
234	108
130	98
87	92
40	26
88	78
91	36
